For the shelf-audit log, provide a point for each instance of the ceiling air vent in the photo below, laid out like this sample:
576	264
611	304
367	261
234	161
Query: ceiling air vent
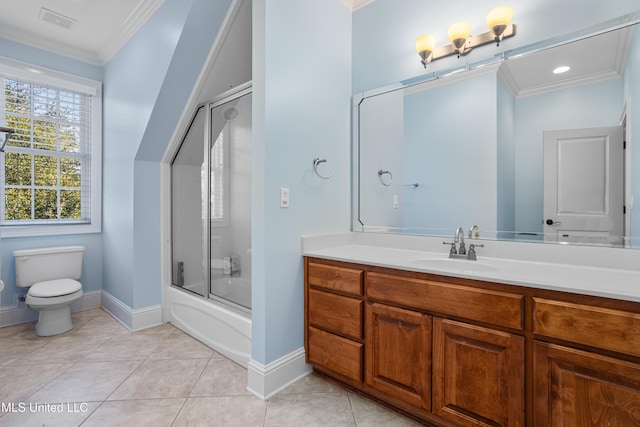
56	18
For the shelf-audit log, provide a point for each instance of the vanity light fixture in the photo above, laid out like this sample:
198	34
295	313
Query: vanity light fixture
500	27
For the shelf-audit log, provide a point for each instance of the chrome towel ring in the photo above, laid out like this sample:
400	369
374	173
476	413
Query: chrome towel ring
316	162
380	173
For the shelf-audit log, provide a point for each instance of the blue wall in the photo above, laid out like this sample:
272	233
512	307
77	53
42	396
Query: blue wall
132	81
506	185
450	149
301	99
149	82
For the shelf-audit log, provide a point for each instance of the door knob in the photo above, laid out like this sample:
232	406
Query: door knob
551	222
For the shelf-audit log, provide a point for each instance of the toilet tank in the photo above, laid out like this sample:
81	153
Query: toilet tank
37	265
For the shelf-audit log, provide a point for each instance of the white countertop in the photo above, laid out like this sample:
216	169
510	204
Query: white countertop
573	270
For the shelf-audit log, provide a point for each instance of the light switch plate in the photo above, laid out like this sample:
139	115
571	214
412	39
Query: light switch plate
284	197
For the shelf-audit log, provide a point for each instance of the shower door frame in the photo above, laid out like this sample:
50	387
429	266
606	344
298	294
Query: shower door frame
235	93
239	92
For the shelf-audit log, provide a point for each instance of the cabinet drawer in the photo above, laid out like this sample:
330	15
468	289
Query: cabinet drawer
335	312
340	279
498	308
590	325
335	353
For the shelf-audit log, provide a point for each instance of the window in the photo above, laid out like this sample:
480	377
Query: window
219	165
219	178
51	167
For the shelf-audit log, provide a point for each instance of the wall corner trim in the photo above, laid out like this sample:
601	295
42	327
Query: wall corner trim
133	320
266	381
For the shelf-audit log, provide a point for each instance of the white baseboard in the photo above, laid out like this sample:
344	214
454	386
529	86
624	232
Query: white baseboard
89	301
133	320
265	381
15	314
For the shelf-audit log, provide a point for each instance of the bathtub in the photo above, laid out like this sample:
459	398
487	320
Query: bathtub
234	289
226	330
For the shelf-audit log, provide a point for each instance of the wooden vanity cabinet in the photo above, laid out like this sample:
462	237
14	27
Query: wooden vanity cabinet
460	352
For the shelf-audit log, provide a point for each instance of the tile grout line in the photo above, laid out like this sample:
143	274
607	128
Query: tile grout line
175	418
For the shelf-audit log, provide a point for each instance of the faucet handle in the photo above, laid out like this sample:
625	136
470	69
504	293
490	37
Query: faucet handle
453	250
471	255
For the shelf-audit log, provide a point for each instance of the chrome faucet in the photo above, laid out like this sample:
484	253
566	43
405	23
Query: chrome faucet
459	239
461	251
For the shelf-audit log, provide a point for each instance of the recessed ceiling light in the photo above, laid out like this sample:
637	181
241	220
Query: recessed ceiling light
562	69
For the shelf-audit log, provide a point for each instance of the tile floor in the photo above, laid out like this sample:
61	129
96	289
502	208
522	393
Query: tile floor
100	374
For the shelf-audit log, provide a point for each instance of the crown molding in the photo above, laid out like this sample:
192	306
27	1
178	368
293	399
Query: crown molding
354	5
128	28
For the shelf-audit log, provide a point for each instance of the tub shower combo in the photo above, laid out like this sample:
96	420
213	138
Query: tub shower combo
210	296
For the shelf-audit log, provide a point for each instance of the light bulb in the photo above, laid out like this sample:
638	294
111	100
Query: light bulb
498	20
425	42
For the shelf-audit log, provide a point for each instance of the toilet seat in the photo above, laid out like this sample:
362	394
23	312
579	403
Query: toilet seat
54	288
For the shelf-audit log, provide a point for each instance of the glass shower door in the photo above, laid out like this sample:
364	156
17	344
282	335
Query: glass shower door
230	201
189	216
211	203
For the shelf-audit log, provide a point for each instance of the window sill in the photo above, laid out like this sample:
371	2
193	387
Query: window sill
9	231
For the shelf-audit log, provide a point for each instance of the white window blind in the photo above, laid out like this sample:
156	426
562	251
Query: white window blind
48	165
217	178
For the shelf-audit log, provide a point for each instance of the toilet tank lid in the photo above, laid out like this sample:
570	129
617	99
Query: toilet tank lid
40	251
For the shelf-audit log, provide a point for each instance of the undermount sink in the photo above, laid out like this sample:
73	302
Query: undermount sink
450	264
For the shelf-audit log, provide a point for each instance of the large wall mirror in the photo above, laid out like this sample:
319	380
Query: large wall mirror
508	146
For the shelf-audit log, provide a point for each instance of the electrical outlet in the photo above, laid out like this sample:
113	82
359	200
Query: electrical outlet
395	202
284	197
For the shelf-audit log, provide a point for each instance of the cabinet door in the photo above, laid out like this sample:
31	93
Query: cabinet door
579	388
478	375
398	353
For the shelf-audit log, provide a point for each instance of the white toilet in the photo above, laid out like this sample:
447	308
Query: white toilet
50	274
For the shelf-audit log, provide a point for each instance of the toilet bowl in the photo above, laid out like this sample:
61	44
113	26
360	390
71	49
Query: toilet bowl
50	274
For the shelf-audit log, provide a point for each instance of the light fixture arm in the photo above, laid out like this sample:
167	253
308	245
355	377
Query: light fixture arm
472	42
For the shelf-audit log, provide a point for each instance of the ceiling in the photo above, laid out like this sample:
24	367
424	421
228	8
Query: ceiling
591	59
88	30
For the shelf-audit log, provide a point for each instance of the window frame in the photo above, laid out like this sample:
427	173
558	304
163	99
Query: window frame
48	77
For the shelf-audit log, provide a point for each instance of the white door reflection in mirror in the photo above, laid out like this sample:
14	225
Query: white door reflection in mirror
583	186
